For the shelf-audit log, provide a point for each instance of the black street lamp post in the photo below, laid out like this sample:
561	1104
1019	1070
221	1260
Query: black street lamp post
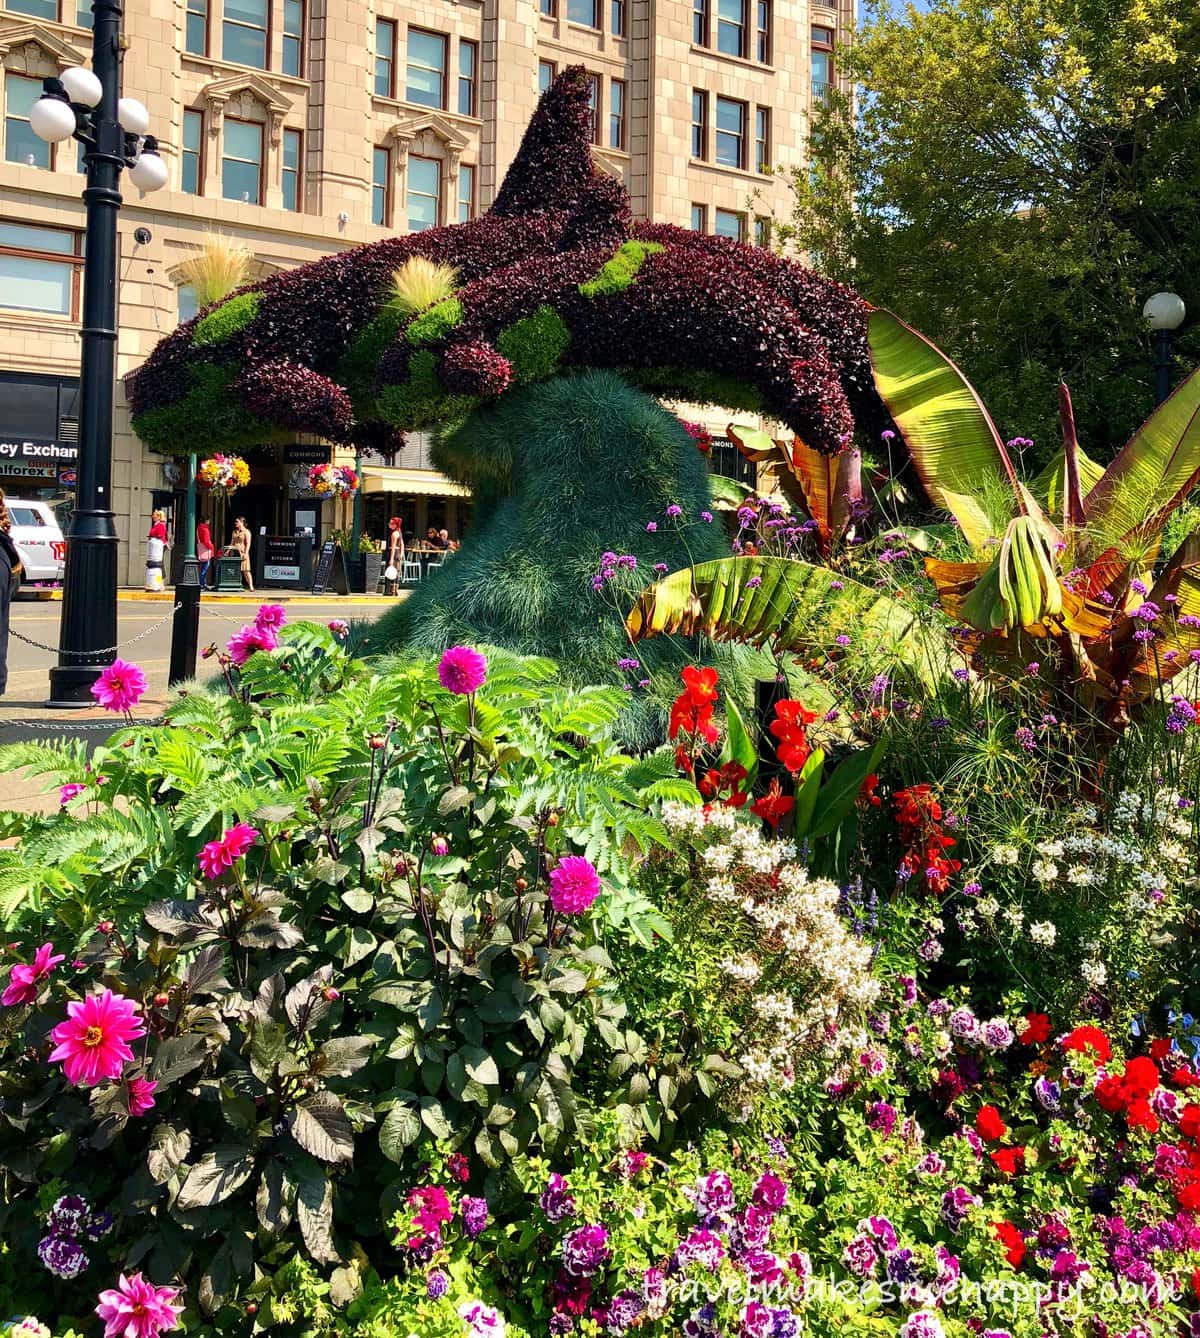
1164	312
86	105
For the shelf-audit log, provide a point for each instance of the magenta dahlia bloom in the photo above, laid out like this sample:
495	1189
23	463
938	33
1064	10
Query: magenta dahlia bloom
68	792
136	1308
247	640
462	670
574	885
93	1043
270	617
120	686
140	1093
217	856
24	981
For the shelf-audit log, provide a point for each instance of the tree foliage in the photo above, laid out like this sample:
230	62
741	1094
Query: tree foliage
1017	177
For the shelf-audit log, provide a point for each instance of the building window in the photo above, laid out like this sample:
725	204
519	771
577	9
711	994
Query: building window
424	192
700	22
594	105
546	72
584	12
822	61
616	114
731	27
762	138
762	31
195	35
39	9
293	147
731	133
83	14
548	7
191	159
617	16
699	218
244	33
762	231
727	223
381	186
468	64
699	123
39	269
466	193
21	145
385	58
293	37
187	304
426	68
241	161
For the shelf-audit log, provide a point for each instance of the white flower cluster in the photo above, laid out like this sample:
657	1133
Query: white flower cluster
822	973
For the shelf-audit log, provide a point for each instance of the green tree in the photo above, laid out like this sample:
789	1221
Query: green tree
1016	178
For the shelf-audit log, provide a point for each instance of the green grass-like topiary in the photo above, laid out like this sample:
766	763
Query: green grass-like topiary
618	273
561	472
434	324
698	386
421	400
359	363
535	345
209	405
226	320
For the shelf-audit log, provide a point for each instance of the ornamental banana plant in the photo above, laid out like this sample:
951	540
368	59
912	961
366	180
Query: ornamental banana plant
1086	579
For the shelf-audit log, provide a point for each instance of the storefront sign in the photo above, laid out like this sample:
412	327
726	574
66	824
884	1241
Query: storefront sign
15	469
287	560
302	454
38	451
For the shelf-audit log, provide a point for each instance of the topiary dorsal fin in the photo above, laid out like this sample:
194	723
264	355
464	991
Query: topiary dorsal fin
553	167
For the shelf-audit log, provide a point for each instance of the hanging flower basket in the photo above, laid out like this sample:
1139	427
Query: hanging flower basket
223	474
333	480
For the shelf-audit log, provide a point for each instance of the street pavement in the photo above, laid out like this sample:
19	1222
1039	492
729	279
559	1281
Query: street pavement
144	629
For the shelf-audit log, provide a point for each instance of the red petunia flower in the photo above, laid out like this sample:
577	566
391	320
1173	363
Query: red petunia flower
988	1124
1189	1121
1009	1160
1183	1077
1084	1039
1160	1048
1013	1242
1037	1029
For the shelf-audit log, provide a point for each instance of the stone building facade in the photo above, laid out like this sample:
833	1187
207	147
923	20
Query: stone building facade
303	127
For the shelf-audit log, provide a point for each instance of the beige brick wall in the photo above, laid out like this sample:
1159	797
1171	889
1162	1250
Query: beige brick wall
341	119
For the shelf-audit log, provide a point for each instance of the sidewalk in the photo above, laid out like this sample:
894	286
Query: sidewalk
131	594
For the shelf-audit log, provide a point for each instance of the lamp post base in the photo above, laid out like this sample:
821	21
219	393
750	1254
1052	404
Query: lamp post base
185	626
88	635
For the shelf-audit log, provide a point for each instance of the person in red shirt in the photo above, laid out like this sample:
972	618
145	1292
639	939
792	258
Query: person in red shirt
156	550
204	550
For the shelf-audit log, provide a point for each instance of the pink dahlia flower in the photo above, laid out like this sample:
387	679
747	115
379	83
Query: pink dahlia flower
217	856
244	643
338	626
24	981
93	1043
68	792
140	1093
120	686
270	617
136	1308
574	885
462	670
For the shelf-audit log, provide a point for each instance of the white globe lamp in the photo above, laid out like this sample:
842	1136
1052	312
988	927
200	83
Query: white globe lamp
149	173
52	119
81	86
1164	311
133	116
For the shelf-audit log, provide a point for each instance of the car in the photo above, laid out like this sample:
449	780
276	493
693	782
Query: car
39	542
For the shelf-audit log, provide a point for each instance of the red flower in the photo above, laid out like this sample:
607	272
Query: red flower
1013	1242
1182	1077
1160	1048
1037	1029
1196	1283
1111	1095
988	1124
867	790
788	727
774	806
1083	1039
1189	1121
729	777
1009	1160
1140	1116
916	805
700	685
1140	1076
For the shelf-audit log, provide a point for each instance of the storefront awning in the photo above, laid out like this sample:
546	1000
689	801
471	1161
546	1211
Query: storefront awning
410	482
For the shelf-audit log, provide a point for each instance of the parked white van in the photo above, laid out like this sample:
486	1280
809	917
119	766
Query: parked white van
39	541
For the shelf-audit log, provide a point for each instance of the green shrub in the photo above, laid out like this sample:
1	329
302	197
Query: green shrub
226	320
359	363
535	345
618	273
210	401
421	400
435	324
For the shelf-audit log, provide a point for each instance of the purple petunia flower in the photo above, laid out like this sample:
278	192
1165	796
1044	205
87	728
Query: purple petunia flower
585	1250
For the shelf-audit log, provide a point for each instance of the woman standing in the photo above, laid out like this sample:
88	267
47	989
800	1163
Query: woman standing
395	553
156	548
240	543
10	578
204	551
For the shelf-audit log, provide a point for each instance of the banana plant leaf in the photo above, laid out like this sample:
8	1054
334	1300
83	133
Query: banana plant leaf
728	494
954	445
1061	486
954	581
1154	471
795	606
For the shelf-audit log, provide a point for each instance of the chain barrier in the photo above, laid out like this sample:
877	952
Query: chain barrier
97	654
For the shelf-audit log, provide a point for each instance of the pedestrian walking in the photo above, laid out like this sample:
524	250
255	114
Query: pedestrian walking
240	543
395	554
156	550
204	551
10	579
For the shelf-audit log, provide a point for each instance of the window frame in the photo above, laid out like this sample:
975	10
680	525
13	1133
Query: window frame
596	92
185	152
392	25
824	46
701	125
550	65
51	155
617	17
742	135
762	231
56	17
594	25
466	44
443	73
701	23
297	171
297	38
548	9
762	138
267	32
262	159
618	115
762	31
197	9
385	187
730	213
700	211
424	195
741	28
74	258
470	200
